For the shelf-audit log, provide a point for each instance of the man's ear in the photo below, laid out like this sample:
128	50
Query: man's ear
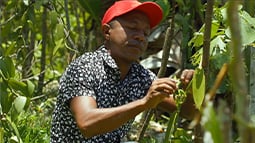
106	31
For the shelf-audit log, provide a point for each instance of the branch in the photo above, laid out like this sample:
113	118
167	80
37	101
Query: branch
207	38
43	51
219	78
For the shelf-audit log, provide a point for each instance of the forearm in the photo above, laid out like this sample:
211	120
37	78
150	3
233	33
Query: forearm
102	120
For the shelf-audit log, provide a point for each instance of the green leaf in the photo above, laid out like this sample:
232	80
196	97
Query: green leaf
198	87
30	88
18	86
171	127
7	67
59	32
53	19
13	127
217	45
10	49
247	24
5	99
59	43
19	103
198	38
26	2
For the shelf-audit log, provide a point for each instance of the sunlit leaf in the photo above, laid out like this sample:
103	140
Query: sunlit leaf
217	46
198	87
26	2
14	139
247	24
198	39
19	103
30	88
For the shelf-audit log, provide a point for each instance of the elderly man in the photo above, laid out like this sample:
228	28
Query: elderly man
101	92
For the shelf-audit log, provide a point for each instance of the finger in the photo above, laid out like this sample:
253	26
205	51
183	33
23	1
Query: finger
187	76
164	93
166	87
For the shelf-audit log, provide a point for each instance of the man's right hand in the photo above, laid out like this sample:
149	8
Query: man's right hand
160	89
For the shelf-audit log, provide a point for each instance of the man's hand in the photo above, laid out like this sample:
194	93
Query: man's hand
160	89
186	76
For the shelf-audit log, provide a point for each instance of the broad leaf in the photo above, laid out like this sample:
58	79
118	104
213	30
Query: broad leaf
30	88
198	87
5	99
19	103
7	67
18	86
247	28
198	39
217	45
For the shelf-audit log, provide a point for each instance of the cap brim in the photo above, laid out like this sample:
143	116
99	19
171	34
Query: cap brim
153	12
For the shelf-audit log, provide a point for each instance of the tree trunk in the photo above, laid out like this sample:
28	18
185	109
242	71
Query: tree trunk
43	51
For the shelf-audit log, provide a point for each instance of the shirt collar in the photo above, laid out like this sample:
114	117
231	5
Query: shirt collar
107	57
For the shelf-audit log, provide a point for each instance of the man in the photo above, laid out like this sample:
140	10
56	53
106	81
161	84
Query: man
101	92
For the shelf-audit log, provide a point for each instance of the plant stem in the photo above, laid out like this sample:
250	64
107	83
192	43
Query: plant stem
217	83
171	127
207	38
238	74
43	51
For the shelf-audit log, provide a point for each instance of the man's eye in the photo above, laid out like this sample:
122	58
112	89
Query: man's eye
132	27
146	34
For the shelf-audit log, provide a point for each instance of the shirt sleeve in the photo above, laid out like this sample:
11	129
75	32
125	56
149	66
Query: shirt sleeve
76	81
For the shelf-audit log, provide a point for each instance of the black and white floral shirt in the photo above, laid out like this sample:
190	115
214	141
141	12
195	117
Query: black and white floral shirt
96	74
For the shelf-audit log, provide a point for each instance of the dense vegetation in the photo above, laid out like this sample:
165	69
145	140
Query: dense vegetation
38	38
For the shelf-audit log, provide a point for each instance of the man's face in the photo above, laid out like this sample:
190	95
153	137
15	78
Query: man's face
128	36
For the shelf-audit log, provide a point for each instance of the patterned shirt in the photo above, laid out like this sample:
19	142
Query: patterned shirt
96	74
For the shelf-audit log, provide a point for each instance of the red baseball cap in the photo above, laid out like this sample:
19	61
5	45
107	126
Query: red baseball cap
151	9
